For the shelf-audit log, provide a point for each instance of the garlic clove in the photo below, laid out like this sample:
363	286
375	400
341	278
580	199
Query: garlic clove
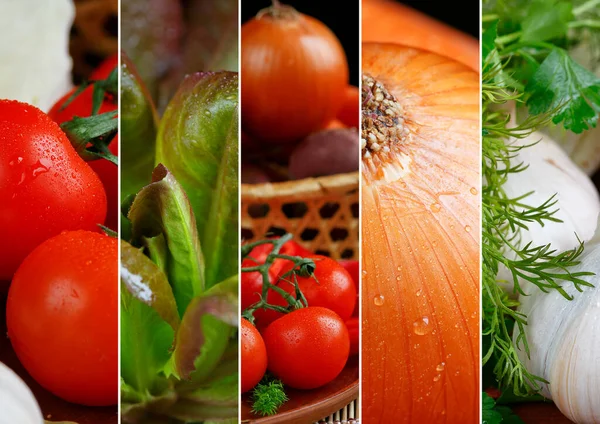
36	65
17	403
552	172
564	342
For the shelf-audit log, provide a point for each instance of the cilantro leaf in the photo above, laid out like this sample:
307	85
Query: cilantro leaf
493	414
546	20
563	85
488	40
489	415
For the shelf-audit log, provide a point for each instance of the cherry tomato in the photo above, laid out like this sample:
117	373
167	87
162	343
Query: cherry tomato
108	172
353	331
307	348
331	287
251	289
105	68
45	187
62	316
254	356
352	267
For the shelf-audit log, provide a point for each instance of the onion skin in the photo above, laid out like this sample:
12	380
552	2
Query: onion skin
295	75
420	245
388	21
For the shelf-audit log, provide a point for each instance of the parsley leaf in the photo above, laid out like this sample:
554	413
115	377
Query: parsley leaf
546	20
489	416
562	84
494	414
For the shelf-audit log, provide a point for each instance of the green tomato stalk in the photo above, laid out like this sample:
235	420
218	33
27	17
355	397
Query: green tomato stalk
303	267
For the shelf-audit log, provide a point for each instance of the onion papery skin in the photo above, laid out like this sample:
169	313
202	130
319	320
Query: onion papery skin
420	245
295	77
387	21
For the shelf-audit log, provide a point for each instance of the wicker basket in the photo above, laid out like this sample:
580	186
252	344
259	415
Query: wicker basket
321	213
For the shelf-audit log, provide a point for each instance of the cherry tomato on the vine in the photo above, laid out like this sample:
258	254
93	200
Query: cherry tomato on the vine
307	348
331	287
81	106
352	267
62	316
254	356
45	187
353	331
105	68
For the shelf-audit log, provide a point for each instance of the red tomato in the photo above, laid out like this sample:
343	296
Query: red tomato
251	289
353	331
352	267
307	348
45	187
62	316
108	172
333	287
254	356
105	68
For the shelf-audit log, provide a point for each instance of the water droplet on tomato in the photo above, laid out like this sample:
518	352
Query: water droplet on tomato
437	377
421	326
419	292
379	300
440	367
468	228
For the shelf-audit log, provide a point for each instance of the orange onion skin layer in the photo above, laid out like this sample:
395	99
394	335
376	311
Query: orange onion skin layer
294	80
420	245
388	21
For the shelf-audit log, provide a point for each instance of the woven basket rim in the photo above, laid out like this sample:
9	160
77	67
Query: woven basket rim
302	189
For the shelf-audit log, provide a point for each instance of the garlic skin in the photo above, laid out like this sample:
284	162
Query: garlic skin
36	65
564	342
17	403
552	172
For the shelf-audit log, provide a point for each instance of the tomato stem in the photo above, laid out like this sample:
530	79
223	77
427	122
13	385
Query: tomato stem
303	267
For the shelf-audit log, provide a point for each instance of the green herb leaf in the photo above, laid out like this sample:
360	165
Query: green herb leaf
489	416
162	207
198	142
268	396
488	41
561	84
149	319
204	333
546	20
139	123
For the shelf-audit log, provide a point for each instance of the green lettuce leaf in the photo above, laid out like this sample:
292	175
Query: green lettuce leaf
198	143
139	123
205	331
162	207
149	319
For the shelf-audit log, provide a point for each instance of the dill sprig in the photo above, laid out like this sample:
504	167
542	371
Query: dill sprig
268	396
504	220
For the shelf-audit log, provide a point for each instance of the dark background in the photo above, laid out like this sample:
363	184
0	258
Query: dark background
341	16
462	15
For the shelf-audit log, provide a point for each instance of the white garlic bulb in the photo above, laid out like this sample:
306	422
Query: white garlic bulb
17	403
552	173
34	47
564	343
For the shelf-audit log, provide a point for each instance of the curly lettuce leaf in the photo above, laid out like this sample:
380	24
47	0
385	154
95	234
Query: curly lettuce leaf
162	207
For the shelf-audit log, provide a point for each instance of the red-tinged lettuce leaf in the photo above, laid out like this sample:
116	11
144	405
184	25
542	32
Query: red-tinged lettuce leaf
198	142
205	331
162	207
220	392
149	319
139	125
211	43
151	35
